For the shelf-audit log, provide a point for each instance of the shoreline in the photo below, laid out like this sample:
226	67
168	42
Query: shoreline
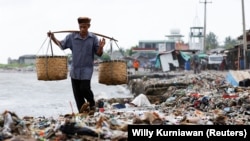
205	100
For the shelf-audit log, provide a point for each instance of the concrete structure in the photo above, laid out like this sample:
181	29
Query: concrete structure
155	46
196	38
175	35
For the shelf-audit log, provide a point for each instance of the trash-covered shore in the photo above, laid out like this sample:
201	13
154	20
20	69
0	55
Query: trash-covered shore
184	99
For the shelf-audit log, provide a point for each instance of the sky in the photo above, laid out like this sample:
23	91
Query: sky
24	23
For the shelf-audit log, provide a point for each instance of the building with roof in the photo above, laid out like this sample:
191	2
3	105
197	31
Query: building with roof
27	59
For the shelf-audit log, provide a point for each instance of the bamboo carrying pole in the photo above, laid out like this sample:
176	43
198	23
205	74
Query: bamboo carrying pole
104	36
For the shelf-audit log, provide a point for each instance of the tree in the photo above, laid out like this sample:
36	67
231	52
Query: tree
229	42
211	41
129	52
105	57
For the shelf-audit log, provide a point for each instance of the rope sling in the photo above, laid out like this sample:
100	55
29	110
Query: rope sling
112	72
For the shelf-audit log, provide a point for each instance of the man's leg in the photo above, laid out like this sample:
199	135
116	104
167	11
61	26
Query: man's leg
199	68
87	92
79	96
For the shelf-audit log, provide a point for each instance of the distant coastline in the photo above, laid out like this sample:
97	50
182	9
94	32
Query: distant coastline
18	69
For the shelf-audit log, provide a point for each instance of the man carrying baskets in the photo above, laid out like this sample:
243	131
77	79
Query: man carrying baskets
83	45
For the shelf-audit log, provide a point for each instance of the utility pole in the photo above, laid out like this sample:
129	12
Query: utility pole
244	35
205	22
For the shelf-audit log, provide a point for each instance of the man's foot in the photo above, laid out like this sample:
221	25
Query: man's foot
84	108
92	110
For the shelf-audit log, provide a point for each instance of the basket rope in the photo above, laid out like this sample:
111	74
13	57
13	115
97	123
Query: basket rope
120	66
113	65
51	67
42	45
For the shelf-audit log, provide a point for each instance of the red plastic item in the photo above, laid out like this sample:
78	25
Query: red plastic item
229	96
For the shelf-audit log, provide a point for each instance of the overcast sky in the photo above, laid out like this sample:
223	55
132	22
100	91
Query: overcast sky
24	23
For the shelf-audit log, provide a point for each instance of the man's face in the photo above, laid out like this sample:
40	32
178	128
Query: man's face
84	28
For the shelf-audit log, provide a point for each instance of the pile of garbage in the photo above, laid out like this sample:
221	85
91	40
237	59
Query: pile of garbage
203	99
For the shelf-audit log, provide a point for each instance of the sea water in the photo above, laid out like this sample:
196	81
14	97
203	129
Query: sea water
22	93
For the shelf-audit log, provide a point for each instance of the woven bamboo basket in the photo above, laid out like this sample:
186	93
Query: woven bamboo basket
113	72
51	68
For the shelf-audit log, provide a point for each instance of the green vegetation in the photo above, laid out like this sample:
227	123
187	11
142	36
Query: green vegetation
212	42
13	66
